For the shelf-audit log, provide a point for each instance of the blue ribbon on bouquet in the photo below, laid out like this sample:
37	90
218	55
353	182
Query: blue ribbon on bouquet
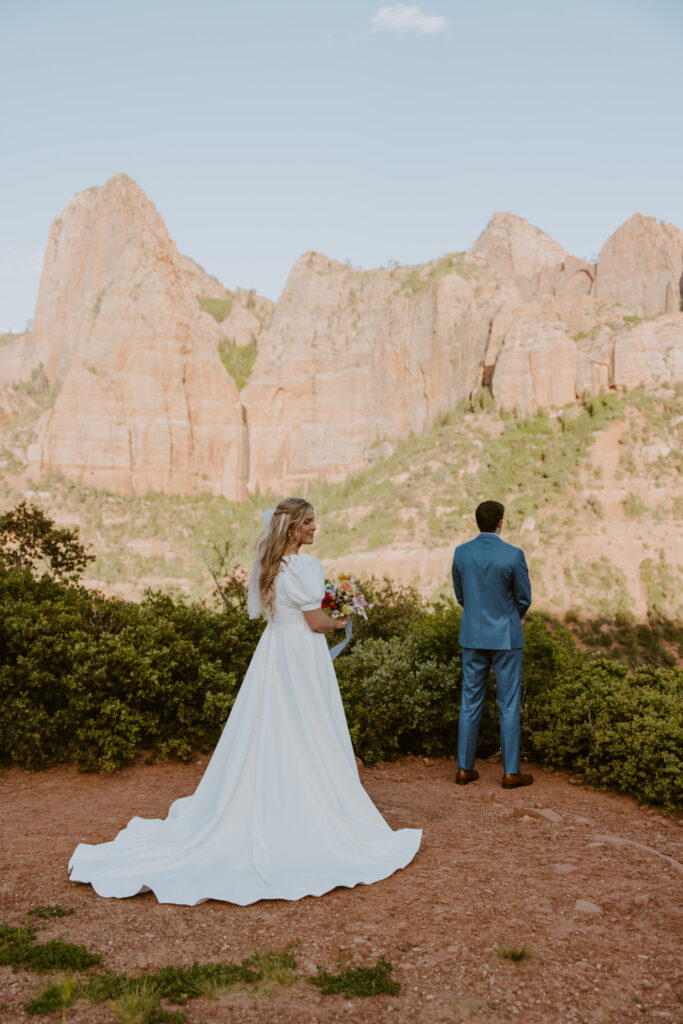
338	648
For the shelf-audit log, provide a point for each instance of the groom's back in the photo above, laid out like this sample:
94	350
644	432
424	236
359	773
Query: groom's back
491	583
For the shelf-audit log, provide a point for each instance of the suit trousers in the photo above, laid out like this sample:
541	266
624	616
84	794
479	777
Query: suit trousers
507	669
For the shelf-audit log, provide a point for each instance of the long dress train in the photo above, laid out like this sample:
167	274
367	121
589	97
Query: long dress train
280	812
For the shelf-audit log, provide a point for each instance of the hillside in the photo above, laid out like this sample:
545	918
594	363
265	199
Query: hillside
592	493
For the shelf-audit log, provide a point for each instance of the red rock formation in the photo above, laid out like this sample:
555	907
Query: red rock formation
346	359
353	357
536	367
641	267
516	250
144	400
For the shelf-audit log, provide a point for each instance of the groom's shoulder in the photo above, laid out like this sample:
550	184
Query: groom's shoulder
512	550
464	547
508	552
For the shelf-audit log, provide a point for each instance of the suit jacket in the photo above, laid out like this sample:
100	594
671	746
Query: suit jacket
491	582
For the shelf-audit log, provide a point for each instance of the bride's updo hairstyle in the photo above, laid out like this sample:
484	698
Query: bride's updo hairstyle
284	529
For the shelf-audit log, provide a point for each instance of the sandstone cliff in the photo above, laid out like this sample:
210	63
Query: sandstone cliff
515	250
353	357
129	335
641	267
144	401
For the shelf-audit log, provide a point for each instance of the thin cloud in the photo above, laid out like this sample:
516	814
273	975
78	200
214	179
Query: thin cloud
407	18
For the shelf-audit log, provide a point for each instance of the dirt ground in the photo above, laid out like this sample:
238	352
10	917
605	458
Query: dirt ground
495	867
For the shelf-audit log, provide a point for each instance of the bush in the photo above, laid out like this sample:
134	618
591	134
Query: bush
402	694
396	703
95	680
29	538
238	359
20	950
399	703
396	609
549	652
219	309
358	981
622	731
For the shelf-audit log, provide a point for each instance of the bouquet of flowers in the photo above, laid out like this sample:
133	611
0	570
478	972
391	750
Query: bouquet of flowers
342	597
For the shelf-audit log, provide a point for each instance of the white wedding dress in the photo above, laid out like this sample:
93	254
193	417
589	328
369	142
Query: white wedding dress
280	812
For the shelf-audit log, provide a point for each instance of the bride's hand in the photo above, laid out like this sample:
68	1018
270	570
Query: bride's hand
320	622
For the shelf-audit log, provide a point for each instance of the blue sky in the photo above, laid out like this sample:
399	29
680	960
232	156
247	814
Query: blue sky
369	131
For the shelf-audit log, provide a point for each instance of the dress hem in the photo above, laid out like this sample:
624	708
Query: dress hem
298	894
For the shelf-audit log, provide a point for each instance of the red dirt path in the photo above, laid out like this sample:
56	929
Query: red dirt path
489	872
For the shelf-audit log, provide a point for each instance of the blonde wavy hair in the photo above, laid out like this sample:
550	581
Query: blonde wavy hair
285	528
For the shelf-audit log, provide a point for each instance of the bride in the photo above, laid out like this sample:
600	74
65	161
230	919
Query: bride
280	812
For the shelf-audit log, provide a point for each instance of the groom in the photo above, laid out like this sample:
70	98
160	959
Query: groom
491	582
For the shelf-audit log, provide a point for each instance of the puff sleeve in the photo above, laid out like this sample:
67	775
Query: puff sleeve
304	582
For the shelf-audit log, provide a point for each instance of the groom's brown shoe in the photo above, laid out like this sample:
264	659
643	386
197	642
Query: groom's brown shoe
517	780
462	776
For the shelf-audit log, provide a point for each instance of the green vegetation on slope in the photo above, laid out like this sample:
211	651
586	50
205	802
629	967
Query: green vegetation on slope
419	277
238	359
219	309
602	584
434	480
420	495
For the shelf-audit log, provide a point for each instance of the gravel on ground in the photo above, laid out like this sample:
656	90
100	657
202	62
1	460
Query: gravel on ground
589	882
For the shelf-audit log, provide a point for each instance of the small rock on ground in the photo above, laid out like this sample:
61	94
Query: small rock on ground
586	907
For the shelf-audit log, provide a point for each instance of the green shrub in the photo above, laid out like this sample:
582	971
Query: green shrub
664	592
482	400
29	538
19	949
219	309
657	642
622	731
436	632
51	910
397	608
238	359
140	997
634	506
55	996
395	703
358	981
94	679
419	277
549	652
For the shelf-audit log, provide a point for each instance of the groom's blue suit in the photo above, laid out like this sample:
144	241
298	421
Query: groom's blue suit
491	582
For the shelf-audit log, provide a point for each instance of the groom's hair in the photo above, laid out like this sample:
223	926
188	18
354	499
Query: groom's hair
488	515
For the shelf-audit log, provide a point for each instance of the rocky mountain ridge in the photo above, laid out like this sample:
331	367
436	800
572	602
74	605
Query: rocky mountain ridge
128	336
